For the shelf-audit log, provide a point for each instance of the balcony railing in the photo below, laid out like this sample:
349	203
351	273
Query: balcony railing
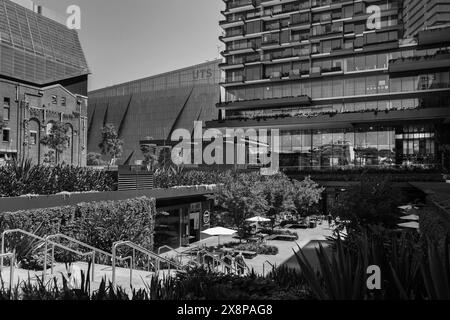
412	64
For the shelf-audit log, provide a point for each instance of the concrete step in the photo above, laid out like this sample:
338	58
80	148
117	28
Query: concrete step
138	281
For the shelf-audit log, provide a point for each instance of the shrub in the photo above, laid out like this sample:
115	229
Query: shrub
195	284
21	178
271	232
258	247
434	227
98	224
373	201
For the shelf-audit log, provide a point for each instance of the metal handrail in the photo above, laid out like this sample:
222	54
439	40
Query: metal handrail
178	254
269	263
244	266
31	235
82	244
220	261
55	244
136	247
12	257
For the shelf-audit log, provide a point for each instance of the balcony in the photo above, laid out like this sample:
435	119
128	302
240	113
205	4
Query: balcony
231	65
235	79
225	24
239	6
327	120
404	66
240	50
434	36
267	103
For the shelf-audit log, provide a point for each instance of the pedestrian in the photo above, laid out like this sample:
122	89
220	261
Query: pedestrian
240	262
330	220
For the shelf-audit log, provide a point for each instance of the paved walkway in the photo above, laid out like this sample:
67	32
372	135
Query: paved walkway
262	263
139	278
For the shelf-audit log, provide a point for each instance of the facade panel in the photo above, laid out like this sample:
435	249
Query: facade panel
154	107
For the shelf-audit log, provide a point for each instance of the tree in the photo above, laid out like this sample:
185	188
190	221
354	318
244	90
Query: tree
111	145
306	196
95	159
57	139
150	157
372	202
279	193
241	197
165	158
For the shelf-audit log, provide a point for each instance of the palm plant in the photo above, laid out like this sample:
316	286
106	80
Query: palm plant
436	272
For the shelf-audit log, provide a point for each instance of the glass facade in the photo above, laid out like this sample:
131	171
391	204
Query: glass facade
315	59
368	146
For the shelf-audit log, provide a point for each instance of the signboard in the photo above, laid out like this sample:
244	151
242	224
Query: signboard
206	218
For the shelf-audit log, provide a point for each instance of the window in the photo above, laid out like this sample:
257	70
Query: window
371	62
55	99
33	138
6	108
360	28
348	11
6	136
336	44
349	28
360	63
63	101
326	46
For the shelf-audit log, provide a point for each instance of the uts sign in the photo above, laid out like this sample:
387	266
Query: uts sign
202	74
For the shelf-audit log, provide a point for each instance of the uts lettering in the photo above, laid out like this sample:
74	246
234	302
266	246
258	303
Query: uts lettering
202	74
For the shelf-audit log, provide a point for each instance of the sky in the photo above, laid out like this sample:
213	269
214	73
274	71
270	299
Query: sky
125	40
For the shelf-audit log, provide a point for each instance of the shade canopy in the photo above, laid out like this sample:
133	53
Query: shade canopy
258	219
219	231
409	225
411	217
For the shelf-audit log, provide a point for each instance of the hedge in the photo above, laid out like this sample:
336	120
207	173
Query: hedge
98	224
23	178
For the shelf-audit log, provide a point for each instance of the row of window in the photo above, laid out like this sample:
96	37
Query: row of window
372	146
346	11
326	46
7	105
334	88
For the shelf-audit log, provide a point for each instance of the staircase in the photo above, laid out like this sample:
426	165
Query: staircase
134	276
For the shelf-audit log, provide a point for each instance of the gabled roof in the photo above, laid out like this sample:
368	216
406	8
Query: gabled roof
36	49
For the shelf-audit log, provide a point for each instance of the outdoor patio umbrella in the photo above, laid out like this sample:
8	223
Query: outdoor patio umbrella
409	225
219	231
411	217
258	219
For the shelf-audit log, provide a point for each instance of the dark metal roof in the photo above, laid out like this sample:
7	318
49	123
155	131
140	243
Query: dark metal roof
36	49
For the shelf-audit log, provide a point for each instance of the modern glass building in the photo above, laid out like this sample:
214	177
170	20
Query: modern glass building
152	108
349	83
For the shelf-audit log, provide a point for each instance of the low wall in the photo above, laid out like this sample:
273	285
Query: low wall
40	202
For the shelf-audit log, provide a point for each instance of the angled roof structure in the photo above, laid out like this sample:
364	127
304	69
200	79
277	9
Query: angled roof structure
37	49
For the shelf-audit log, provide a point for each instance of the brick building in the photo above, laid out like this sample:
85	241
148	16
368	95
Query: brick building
43	80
